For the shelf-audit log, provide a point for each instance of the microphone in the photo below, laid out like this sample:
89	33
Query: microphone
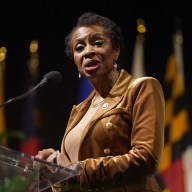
51	78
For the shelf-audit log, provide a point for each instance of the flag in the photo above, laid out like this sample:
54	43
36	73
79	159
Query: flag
84	89
138	53
30	115
2	112
175	168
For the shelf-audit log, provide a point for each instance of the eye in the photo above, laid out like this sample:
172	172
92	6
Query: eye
98	43
79	47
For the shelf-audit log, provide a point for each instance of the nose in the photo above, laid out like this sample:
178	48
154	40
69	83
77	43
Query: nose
89	52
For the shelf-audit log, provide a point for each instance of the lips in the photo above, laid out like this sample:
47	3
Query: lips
91	65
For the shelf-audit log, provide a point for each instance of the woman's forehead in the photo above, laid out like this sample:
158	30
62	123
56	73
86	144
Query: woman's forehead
82	32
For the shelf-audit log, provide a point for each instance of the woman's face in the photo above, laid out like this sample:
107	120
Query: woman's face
92	51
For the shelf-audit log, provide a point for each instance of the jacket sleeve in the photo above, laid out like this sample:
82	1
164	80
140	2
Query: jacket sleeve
147	105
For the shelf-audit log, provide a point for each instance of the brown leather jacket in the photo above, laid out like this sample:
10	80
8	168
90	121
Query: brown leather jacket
121	148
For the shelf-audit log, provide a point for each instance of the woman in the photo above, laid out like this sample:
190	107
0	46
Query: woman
117	132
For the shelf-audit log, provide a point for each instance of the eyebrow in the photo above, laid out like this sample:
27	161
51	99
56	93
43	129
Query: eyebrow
92	35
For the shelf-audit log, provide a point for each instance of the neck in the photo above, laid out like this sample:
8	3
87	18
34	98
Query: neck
105	84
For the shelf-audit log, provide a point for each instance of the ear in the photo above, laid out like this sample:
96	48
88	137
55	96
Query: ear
116	53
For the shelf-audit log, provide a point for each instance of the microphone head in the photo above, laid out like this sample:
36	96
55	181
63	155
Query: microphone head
52	77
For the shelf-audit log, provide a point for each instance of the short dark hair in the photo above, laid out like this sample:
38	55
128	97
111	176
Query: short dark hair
90	18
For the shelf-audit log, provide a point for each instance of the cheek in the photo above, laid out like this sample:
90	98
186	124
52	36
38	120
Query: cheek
77	60
108	60
109	55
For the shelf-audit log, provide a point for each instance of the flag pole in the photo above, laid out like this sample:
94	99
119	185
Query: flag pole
138	54
30	119
3	54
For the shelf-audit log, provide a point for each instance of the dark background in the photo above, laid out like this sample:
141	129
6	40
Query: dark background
50	21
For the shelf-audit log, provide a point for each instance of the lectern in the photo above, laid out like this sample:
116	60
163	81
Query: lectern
42	175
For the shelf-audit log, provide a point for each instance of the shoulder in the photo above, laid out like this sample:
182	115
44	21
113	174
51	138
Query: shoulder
144	81
137	81
145	86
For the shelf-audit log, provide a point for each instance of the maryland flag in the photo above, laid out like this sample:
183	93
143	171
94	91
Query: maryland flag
176	164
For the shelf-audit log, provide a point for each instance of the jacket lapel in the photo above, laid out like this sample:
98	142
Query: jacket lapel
112	100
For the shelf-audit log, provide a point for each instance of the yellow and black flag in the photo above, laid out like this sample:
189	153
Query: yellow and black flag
173	174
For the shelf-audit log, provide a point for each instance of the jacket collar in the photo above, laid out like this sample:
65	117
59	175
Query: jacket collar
112	100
